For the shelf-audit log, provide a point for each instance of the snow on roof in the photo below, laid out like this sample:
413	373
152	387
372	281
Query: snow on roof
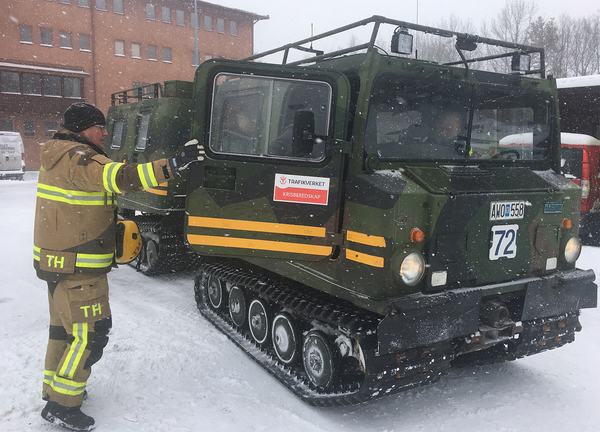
578	139
41	68
526	139
581	81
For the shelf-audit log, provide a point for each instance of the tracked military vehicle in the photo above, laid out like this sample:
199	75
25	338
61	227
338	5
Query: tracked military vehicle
147	123
362	224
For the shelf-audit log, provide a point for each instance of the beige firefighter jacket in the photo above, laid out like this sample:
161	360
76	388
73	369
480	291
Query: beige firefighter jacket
76	201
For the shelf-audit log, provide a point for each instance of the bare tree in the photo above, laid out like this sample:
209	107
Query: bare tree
439	49
514	20
511	25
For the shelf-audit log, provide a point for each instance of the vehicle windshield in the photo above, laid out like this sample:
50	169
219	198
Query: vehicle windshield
451	120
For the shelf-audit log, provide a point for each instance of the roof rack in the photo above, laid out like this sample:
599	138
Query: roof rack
462	39
136	94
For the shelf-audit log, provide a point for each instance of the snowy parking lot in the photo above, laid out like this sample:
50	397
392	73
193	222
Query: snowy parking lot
168	369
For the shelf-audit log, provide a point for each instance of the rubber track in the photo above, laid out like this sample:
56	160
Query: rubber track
173	255
384	374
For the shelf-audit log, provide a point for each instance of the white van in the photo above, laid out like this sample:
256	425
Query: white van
12	154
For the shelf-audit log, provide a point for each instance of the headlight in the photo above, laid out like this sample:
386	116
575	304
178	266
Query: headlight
412	269
572	250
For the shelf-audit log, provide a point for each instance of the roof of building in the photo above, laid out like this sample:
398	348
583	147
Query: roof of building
257	17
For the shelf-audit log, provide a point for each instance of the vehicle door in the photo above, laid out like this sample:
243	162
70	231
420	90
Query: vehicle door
274	139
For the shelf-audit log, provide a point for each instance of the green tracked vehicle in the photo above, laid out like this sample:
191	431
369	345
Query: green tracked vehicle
366	220
148	123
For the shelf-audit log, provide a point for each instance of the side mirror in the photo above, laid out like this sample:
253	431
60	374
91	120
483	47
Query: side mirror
303	134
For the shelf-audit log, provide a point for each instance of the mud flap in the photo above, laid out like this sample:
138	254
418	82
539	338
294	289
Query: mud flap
429	320
564	294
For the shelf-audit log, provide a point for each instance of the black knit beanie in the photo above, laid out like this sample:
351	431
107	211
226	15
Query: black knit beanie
81	116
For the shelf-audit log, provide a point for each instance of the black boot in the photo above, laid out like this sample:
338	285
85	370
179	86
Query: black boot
68	417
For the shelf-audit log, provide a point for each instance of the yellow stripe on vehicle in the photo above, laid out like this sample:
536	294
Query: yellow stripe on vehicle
269	227
157	191
244	243
365	239
371	260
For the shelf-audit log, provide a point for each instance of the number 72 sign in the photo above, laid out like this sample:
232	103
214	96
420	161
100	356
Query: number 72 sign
504	241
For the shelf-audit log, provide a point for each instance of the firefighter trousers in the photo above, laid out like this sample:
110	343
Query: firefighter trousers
80	320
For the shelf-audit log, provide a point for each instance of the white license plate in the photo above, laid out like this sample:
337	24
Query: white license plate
506	210
504	242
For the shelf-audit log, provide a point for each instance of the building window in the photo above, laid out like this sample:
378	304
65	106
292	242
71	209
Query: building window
207	23
233	28
151	52
166	15
180	18
83	3
135	50
9	82
6	125
50	127
101	5
118	6
120	48
72	88
52	85
65	40
150	12
46	37
32	84
167	55
221	25
84	43
64	1
25	34
29	126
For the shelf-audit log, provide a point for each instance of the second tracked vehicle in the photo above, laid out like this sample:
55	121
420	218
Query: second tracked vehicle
360	226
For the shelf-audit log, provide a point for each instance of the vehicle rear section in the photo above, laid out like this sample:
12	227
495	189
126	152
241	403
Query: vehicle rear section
12	156
580	163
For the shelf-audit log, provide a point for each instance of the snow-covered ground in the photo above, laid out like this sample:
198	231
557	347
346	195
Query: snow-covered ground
167	369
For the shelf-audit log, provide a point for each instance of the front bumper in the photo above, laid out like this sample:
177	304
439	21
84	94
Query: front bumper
427	319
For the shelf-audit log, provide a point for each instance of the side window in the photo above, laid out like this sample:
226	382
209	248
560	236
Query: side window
118	133
142	124
255	116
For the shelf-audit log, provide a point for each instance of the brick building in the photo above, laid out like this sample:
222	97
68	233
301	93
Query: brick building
56	52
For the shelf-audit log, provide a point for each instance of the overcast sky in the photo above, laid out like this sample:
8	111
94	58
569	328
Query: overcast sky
291	20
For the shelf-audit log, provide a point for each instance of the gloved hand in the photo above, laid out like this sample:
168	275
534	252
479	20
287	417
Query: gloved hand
190	152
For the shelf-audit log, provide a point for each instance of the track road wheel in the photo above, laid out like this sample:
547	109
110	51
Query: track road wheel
258	321
237	306
319	359
148	260
284	337
216	293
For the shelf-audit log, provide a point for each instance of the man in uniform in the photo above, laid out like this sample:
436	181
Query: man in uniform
74	249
